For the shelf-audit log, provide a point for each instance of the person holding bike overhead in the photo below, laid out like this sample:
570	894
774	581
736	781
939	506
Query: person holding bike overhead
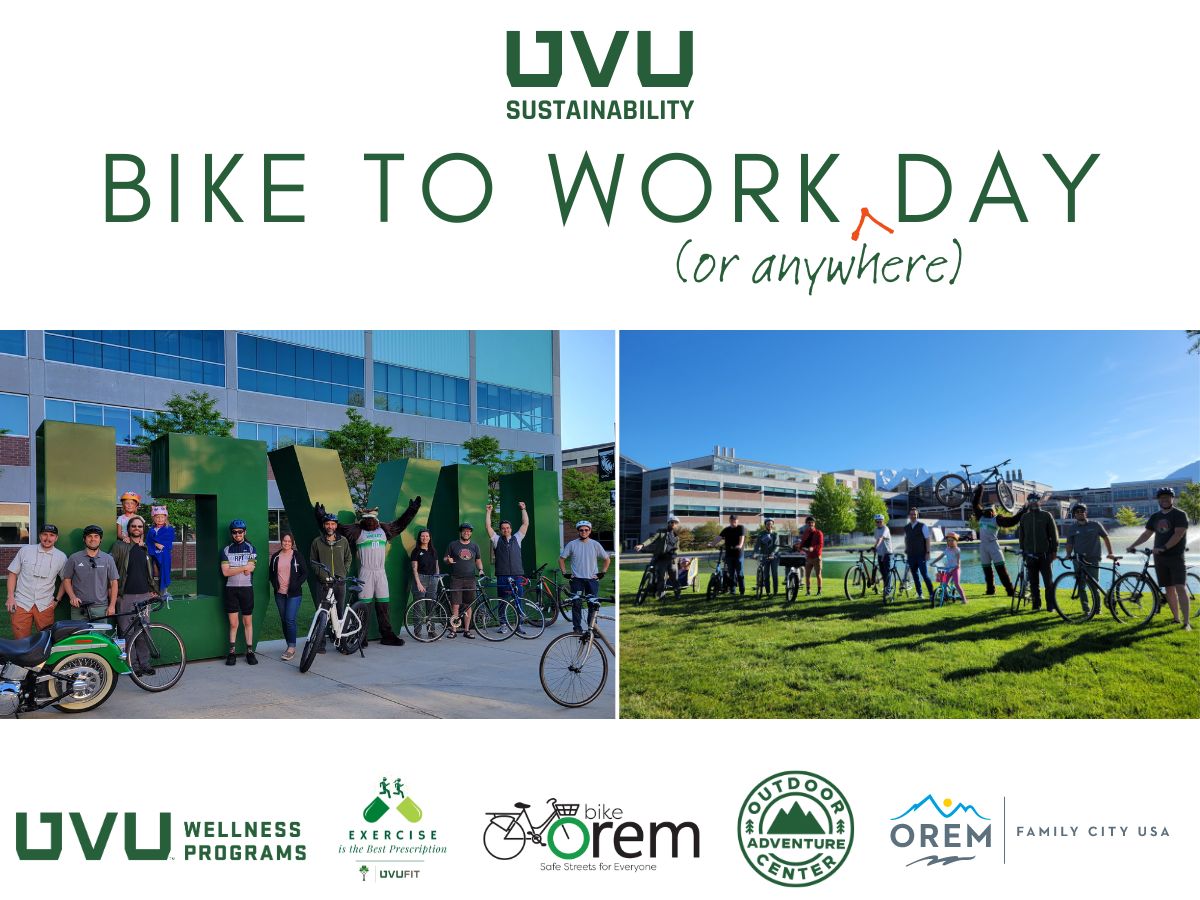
733	537
1169	527
663	548
883	553
1083	541
506	549
331	550
766	545
918	542
811	544
584	555
465	563
990	552
1037	535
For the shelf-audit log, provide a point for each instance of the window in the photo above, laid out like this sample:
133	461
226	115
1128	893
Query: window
658	484
684	510
505	407
696	484
658	512
416	393
196	356
12	342
14	414
287	370
277	436
122	419
14	523
741	511
778	492
277	524
749	488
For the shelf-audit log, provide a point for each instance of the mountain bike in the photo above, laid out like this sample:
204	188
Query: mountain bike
346	626
866	575
1135	597
573	669
506	833
1078	593
946	591
650	585
427	618
721	581
793	565
953	490
762	575
166	657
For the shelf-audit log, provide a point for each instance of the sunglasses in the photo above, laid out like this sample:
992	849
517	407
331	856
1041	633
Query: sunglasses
138	527
92	561
238	531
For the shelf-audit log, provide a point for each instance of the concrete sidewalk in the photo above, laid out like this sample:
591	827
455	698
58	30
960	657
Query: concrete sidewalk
448	679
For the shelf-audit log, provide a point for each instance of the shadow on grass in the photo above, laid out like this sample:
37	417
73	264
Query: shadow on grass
1034	657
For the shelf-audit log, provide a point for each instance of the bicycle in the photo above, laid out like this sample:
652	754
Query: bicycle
514	829
762	575
549	594
1020	596
953	490
163	644
650	585
721	581
864	576
573	669
489	615
1079	601
347	625
1135	597
946	591
427	618
793	564
522	617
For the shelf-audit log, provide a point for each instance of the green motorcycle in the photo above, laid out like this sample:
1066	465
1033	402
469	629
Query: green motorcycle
71	665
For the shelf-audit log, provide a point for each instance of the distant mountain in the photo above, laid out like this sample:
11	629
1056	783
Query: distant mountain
885	478
1191	470
795	821
928	800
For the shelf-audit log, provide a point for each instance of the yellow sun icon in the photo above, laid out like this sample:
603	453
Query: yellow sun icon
946	802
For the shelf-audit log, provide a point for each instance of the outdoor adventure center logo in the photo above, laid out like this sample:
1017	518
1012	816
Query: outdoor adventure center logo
795	828
395	850
597	831
954	832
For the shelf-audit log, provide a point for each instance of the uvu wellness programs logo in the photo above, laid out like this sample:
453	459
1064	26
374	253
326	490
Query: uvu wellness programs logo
795	828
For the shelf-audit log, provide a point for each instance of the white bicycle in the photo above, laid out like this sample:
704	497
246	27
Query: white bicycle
347	627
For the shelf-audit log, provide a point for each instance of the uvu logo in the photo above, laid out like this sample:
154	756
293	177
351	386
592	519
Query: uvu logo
92	847
599	74
955	827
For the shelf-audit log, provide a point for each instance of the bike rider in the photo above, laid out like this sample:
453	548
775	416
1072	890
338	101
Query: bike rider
584	555
1169	528
733	537
812	545
1083	541
237	565
1037	535
883	553
465	563
990	552
918	543
370	538
766	546
663	548
331	550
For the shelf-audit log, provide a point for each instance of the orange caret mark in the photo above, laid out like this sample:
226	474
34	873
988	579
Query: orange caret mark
866	214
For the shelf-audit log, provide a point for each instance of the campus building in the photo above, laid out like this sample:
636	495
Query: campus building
598	460
1139	496
437	388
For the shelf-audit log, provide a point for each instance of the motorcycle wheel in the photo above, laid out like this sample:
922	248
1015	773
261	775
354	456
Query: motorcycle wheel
92	669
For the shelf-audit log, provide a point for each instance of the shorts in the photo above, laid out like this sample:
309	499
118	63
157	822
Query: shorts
374	585
812	562
1170	569
239	599
27	621
462	592
991	555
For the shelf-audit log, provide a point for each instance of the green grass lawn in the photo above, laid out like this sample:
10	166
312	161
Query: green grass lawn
828	657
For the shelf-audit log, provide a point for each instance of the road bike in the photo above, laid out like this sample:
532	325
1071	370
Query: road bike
161	645
427	618
549	594
573	669
1077	591
346	626
953	490
523	617
489	617
946	591
1136	597
866	575
506	833
793	565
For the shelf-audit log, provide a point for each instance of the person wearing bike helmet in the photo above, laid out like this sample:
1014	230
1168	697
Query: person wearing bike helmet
509	567
370	537
130	501
332	551
466	564
1037	536
990	552
584	553
1169	528
663	548
883	553
237	565
766	546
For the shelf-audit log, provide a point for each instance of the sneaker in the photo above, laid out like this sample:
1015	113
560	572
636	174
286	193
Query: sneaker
576	631
521	630
231	659
503	629
251	659
391	640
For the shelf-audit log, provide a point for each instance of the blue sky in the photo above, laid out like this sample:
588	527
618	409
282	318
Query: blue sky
1072	409
589	394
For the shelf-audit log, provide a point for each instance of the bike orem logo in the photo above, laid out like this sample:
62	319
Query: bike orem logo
946	826
795	828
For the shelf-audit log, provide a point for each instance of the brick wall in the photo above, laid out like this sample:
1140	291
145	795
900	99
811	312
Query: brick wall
14	451
6	556
129	461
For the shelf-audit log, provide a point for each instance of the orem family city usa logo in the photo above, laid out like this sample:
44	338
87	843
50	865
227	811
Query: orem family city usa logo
598	830
928	825
394	850
795	828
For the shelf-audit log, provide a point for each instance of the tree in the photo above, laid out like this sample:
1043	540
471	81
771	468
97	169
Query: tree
1189	501
687	538
193	413
485	451
585	496
1194	337
362	446
1129	518
867	506
833	506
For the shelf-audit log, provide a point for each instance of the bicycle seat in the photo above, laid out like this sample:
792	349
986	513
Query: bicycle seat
965	465
521	805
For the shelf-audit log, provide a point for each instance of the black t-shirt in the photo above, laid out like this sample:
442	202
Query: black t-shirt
1163	524
426	559
732	534
136	579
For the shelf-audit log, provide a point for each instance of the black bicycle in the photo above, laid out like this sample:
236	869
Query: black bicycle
721	581
1136	597
953	490
1077	592
762	575
793	565
651	585
1020	596
865	575
160	646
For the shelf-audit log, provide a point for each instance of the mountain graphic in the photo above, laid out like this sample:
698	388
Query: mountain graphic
958	807
795	821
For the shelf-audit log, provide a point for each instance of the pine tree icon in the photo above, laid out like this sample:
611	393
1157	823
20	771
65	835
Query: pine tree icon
749	827
841	826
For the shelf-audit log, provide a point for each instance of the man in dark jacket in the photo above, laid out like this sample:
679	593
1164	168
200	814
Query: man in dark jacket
332	551
1037	535
662	549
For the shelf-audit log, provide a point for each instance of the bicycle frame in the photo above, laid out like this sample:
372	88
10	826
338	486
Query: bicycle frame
337	620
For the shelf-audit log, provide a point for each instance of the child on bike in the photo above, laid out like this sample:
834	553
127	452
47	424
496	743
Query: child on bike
951	568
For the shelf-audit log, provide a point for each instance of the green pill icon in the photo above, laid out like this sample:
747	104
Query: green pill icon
374	812
408	809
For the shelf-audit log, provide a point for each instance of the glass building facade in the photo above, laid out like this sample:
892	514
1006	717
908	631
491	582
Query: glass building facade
288	370
507	407
123	419
195	356
414	392
12	343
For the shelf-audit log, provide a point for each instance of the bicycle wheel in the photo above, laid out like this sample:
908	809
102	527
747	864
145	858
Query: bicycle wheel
93	681
1073	597
855	583
488	618
1004	493
168	659
1135	599
1019	588
760	583
900	581
524	619
547	598
645	587
315	634
497	840
426	620
793	585
938	596
573	669
354	628
714	587
952	491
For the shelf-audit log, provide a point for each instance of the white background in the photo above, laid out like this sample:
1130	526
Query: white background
866	80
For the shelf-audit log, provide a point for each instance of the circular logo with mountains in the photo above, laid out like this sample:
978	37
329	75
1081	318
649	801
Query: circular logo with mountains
795	828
